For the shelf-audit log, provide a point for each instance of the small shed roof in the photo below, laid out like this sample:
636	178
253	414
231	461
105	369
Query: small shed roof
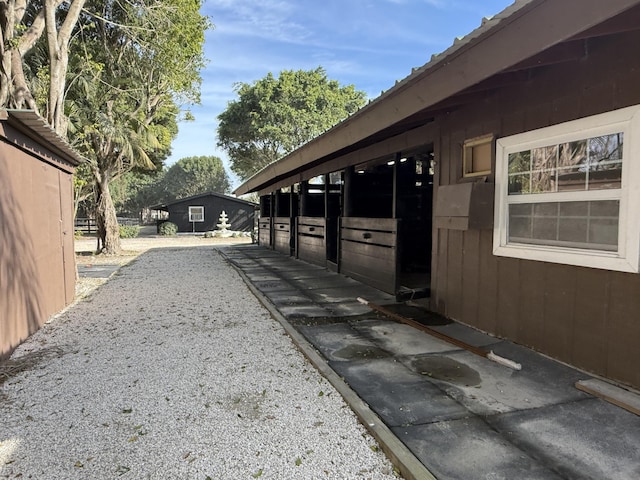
165	206
498	52
34	126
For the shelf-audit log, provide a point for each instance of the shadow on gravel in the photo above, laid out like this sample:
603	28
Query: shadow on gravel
12	367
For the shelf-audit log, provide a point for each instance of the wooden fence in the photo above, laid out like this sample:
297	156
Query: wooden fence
88	225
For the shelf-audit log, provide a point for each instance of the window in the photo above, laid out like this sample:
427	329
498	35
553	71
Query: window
570	193
476	156
196	214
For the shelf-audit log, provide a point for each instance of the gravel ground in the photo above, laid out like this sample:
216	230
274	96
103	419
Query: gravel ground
173	369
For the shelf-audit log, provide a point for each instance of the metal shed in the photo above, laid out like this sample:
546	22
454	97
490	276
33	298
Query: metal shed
37	260
501	177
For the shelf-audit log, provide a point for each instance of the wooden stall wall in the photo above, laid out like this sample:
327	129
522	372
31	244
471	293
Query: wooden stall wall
37	262
369	251
264	231
282	235
586	317
311	246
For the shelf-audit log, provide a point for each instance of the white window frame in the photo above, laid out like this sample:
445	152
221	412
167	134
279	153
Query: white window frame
626	259
196	210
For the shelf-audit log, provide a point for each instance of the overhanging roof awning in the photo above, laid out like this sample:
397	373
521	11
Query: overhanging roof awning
32	125
503	44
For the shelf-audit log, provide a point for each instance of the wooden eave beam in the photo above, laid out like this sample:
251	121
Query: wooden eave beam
407	142
571	51
627	22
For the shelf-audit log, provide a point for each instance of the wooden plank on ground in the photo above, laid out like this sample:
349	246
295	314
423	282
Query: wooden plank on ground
626	399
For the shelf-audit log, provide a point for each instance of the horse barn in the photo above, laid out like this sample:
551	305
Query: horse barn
500	180
37	259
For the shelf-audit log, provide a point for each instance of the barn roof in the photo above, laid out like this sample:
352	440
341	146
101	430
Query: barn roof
528	34
164	206
34	126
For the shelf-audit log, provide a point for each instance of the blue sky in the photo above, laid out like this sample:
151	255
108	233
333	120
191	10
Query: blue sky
367	43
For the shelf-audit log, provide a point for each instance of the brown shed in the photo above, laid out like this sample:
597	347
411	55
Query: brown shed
37	262
502	177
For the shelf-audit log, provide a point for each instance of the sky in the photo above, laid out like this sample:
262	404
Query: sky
366	43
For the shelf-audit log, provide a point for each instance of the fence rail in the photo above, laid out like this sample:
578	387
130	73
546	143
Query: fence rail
88	225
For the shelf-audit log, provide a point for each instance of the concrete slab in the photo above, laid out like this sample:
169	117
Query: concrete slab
498	389
468	448
336	294
267	286
304	310
332	338
399	396
346	309
584	439
97	271
285	298
316	282
401	339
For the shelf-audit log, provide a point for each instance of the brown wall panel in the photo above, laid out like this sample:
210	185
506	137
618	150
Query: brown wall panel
589	327
587	317
531	297
454	277
37	262
508	308
488	285
623	329
372	264
559	311
471	274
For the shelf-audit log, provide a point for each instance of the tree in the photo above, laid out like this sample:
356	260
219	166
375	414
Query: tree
140	61
134	64
194	175
22	24
274	116
137	190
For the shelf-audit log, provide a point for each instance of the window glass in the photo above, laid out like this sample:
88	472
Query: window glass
590	164
591	224
569	193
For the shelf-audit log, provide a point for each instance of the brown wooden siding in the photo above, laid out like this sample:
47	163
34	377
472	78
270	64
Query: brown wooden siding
368	251
37	261
311	246
586	317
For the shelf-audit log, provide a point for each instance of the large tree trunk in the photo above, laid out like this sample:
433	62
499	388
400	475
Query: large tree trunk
106	221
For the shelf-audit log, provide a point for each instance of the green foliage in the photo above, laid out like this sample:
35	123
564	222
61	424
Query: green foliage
168	229
274	116
135	65
195	175
137	190
129	231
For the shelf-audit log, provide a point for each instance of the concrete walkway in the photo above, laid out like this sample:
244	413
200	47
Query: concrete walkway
462	416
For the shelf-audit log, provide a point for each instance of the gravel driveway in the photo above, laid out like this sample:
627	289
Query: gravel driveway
173	370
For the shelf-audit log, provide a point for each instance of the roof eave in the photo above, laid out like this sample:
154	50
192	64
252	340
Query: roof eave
515	33
34	126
